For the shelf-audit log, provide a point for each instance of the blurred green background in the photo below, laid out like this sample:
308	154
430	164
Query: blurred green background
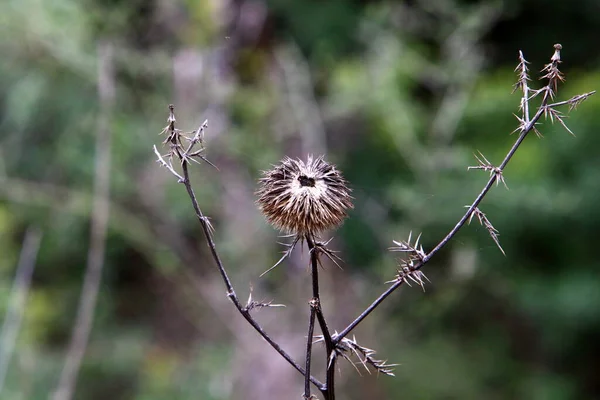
398	94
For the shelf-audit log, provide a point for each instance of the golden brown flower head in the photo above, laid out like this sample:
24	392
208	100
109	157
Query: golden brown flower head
304	198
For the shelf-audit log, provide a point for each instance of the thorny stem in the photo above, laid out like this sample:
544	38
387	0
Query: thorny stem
213	250
366	312
527	125
329	391
573	100
309	342
524	86
314	261
527	128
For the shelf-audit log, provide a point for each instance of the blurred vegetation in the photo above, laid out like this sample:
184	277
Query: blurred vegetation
399	95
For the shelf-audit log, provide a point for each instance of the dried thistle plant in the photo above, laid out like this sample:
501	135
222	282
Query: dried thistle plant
415	256
304	198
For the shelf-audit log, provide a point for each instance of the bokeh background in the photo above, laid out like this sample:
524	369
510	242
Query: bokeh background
398	94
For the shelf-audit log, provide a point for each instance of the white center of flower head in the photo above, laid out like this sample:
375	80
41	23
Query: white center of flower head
307	184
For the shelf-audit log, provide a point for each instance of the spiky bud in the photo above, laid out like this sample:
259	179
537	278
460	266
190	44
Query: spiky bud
304	198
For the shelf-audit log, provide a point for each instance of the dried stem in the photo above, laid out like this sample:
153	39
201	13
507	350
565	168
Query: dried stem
315	251
185	155
573	102
523	85
206	227
526	125
309	343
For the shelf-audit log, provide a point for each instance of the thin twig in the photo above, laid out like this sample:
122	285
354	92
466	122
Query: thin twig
99	223
17	298
523	85
309	342
573	101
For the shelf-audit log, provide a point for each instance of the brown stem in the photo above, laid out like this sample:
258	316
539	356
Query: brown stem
329	391
527	126
183	155
309	342
230	291
174	141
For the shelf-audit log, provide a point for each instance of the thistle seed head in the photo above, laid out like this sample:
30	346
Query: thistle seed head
304	198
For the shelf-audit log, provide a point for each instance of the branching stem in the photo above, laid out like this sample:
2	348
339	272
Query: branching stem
526	129
206	228
527	125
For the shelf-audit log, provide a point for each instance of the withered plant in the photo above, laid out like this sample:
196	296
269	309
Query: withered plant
307	198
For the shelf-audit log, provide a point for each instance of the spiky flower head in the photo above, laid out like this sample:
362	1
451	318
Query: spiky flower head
304	198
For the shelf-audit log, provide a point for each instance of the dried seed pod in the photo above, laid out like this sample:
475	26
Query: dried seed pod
304	198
